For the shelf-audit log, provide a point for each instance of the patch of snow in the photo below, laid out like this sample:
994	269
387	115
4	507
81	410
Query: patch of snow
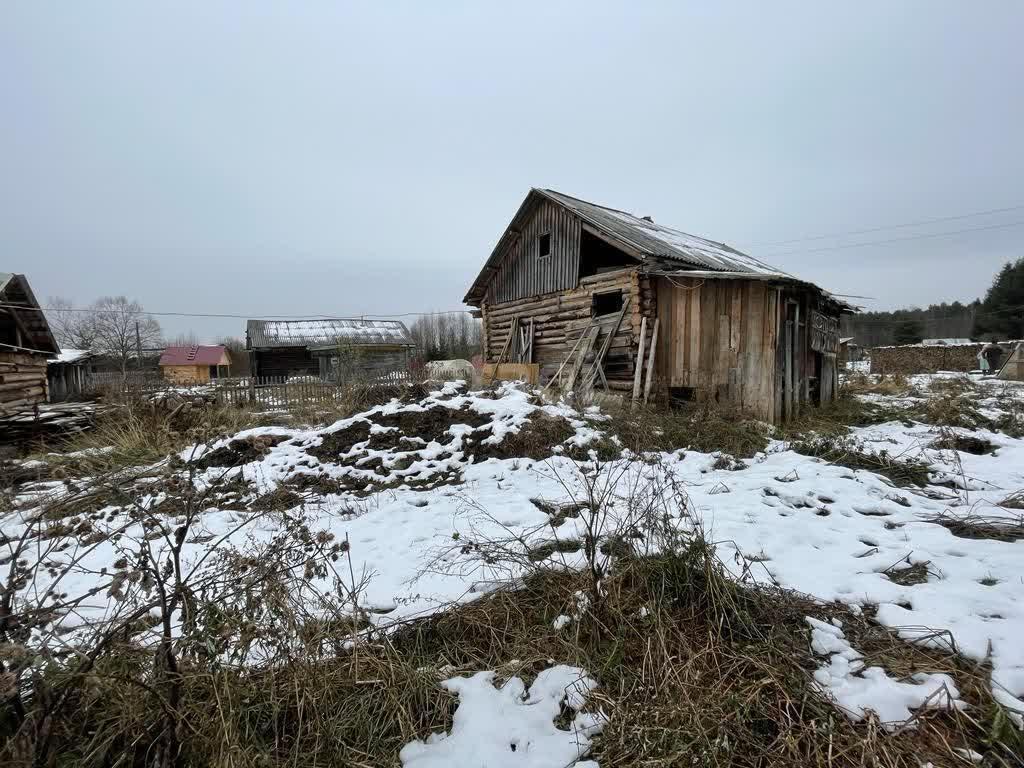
856	690
508	727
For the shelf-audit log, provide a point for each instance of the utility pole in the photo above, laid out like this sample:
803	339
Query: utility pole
138	346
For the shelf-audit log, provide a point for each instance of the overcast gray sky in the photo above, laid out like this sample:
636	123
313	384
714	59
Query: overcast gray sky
317	157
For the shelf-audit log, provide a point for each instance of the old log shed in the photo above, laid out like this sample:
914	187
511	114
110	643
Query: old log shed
734	330
26	344
329	348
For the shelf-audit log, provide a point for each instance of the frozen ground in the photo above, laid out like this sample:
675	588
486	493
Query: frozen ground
403	488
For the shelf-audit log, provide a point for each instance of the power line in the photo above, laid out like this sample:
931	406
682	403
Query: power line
261	315
898	239
919	223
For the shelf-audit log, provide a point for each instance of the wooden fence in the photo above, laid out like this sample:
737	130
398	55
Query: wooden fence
265	391
274	391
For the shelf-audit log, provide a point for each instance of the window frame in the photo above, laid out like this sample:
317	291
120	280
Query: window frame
541	239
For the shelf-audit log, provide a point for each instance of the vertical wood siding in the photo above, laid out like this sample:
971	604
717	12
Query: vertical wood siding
719	337
524	273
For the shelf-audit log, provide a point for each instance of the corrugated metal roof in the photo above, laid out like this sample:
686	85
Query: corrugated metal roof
653	239
195	354
313	333
71	356
644	239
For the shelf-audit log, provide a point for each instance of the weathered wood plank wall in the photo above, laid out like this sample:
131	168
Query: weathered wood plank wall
719	339
524	273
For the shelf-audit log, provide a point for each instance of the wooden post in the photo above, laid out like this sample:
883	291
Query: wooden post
650	361
788	375
638	371
798	368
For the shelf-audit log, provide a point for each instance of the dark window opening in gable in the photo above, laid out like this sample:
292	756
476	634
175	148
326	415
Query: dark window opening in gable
544	245
597	256
606	303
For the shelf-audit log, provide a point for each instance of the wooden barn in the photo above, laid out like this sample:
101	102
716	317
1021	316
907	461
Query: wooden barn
26	344
195	363
331	349
602	298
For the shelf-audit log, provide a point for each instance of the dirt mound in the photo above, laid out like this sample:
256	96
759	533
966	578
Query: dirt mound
433	424
239	451
535	440
336	443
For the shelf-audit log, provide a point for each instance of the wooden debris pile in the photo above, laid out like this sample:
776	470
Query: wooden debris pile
48	420
180	403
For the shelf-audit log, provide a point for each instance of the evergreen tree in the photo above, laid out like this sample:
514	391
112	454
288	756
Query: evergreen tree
907	331
1001	314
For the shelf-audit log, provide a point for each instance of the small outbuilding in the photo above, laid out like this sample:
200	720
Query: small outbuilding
331	349
68	374
26	344
580	290
195	364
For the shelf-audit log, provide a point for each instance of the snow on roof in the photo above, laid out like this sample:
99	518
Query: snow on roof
945	342
196	354
658	240
312	333
639	236
70	356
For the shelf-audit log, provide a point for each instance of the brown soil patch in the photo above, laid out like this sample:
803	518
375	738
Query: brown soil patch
536	440
336	443
432	424
240	451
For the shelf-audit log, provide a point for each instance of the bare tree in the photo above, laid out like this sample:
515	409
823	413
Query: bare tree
239	355
121	326
446	336
72	327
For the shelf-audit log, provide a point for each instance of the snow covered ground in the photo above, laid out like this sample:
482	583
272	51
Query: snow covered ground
405	483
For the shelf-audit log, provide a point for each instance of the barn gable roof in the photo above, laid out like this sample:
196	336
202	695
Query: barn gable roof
640	237
15	293
266	334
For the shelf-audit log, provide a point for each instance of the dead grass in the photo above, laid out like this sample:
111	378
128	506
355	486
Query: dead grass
701	427
847	453
712	673
982	527
1014	501
893	385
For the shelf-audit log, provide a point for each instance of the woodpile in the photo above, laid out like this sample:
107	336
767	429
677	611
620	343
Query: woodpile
918	358
48	420
22	381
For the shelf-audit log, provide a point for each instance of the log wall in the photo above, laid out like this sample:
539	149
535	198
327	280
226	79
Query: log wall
560	318
22	381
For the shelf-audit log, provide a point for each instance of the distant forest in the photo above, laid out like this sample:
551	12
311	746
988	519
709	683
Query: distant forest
999	316
938	321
